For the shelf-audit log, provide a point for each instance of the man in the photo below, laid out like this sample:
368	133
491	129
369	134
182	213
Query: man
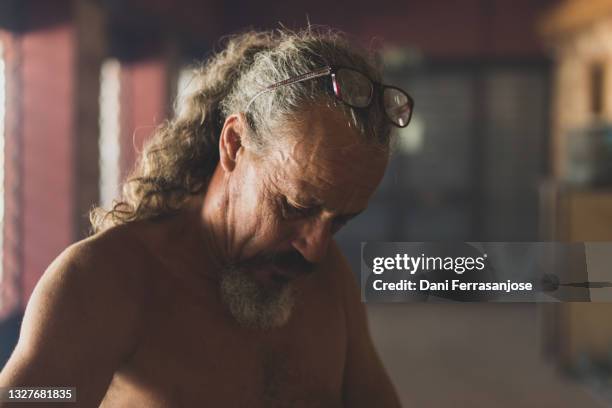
215	281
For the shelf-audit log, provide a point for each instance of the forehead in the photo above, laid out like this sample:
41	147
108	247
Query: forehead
327	160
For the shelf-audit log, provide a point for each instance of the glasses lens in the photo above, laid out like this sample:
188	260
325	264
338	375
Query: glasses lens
353	88
398	106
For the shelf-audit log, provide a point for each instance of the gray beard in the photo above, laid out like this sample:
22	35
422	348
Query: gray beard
252	305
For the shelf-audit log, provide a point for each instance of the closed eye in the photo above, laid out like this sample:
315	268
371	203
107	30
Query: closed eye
292	211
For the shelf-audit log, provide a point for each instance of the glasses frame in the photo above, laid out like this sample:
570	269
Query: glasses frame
332	71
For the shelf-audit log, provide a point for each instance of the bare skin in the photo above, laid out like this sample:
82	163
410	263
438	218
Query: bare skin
133	316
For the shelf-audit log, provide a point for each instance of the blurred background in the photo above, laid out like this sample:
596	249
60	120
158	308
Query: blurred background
510	141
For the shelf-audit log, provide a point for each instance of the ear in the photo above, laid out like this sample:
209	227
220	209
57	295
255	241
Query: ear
230	141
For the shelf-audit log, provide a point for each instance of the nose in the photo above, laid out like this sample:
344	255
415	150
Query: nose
313	239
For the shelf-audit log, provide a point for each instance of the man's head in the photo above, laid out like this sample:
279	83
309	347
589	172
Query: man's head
284	204
282	164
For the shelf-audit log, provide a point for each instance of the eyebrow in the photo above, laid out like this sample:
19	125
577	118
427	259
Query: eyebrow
314	203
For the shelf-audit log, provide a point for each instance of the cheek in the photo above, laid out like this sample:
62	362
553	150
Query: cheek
267	234
249	196
259	222
271	227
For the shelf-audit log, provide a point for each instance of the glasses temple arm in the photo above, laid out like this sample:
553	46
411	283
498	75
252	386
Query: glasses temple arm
300	78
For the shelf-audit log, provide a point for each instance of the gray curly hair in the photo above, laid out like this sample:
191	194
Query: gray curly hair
180	158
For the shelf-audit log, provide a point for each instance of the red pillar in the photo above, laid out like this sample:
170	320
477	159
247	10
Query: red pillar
144	103
47	135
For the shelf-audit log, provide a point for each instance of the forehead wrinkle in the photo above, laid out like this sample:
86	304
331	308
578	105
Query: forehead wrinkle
325	157
316	191
324	131
328	176
340	172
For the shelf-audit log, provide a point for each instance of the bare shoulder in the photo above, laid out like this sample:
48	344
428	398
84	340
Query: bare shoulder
87	310
95	284
112	260
117	250
366	383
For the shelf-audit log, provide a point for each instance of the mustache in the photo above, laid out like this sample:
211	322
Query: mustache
286	260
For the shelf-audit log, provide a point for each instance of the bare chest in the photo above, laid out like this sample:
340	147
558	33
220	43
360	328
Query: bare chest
194	355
